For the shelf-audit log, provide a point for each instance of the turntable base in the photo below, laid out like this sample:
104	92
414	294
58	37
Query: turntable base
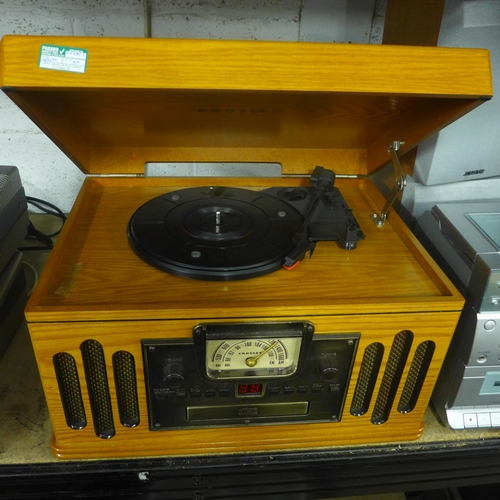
99	289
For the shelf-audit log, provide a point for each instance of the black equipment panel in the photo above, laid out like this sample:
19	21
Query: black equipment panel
181	395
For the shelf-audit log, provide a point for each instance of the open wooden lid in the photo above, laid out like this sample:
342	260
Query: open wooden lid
121	102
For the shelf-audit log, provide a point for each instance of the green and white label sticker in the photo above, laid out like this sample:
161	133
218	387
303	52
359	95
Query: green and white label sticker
63	58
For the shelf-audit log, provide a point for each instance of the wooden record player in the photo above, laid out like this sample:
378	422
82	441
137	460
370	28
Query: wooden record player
343	349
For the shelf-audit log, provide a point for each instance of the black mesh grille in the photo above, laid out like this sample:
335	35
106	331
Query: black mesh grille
370	366
416	376
126	388
98	388
69	389
392	376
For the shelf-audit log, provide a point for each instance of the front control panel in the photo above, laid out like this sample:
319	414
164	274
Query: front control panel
242	377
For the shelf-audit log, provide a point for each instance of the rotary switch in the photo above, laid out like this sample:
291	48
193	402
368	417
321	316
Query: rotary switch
173	374
327	370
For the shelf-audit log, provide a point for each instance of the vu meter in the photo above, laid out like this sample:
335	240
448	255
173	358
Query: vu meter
276	356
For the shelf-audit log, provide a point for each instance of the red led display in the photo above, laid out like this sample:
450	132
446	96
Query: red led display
249	389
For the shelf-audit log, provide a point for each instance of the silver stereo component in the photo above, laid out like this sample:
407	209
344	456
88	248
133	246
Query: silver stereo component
465	239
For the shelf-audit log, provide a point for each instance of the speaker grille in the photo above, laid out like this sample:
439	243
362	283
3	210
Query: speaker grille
98	388
392	376
416	376
368	373
126	388
69	389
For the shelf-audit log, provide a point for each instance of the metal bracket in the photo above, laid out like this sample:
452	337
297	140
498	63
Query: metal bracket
399	184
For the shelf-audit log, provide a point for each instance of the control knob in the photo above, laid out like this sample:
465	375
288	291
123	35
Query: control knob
327	370
173	374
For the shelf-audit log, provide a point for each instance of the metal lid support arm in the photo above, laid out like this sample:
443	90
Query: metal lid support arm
399	184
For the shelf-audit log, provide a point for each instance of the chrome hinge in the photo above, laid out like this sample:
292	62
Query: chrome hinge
399	184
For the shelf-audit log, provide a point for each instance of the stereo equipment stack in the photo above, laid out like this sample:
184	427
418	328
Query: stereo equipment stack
14	219
14	222
184	316
465	239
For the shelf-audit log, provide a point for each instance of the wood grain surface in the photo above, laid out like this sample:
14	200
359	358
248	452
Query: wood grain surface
95	287
120	63
50	338
94	275
297	104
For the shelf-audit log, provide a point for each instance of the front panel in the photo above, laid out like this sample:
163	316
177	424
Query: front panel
251	374
145	388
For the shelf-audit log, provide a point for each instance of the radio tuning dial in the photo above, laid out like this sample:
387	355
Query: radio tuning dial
173	374
327	370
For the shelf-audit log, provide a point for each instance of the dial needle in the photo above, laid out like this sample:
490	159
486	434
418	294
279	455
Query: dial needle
253	361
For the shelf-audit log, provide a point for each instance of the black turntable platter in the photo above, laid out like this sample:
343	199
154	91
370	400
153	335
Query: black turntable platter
217	233
226	233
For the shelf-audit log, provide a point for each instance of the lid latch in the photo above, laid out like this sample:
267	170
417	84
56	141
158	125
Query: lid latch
399	184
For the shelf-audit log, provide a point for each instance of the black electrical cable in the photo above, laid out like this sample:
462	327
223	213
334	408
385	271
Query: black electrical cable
56	211
34	233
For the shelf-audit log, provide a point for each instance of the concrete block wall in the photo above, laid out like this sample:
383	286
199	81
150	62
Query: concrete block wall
46	172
